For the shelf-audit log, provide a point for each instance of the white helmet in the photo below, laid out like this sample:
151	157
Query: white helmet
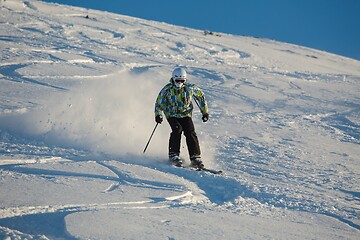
179	76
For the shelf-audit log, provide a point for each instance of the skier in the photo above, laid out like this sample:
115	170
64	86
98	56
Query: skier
175	101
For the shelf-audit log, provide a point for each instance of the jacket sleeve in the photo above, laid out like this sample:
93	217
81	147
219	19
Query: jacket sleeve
160	101
199	97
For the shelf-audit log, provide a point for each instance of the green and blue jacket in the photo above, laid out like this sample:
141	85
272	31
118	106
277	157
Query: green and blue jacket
177	102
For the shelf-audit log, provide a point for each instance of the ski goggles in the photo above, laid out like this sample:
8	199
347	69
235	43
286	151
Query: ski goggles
180	80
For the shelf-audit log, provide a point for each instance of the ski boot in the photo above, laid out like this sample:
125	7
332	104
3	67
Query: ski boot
196	162
176	160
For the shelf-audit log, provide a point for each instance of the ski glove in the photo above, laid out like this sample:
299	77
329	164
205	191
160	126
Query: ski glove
205	117
158	119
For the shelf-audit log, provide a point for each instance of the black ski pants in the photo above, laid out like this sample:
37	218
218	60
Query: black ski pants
186	125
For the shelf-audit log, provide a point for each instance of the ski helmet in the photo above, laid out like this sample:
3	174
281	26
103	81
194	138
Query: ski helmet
179	76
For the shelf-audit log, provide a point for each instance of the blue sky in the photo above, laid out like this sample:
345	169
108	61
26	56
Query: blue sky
329	25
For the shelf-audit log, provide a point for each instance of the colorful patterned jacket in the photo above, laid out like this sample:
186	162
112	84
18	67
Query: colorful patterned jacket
177	102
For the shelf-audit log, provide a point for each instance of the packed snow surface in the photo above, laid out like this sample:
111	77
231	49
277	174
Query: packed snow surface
77	92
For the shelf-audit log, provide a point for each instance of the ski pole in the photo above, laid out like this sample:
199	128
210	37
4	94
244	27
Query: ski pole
197	104
151	137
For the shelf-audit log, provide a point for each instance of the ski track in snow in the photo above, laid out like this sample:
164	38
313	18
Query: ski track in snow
121	178
284	127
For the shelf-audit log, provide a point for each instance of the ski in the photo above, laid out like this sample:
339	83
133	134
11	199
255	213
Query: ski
210	170
204	169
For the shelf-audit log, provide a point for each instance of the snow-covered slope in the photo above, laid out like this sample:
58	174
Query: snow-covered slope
77	89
